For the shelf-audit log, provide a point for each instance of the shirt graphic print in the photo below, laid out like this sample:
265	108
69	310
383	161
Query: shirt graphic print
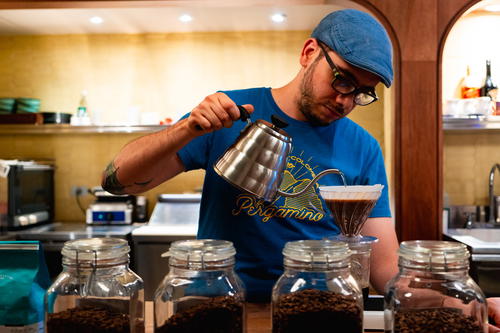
307	207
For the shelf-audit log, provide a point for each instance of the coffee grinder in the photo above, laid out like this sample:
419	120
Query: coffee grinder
350	207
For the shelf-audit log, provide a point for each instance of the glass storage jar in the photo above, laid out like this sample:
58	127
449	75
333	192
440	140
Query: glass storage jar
316	292
96	291
433	291
201	292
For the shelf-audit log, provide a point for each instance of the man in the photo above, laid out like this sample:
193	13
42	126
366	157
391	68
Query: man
348	54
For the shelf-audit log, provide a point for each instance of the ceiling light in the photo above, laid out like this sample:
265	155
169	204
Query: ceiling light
185	18
492	8
96	20
278	17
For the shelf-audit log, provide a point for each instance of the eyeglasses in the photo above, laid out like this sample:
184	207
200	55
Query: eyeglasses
344	86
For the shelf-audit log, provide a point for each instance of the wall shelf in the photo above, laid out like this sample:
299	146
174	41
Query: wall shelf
492	124
449	125
68	129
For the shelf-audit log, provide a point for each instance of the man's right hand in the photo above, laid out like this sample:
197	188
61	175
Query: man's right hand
213	113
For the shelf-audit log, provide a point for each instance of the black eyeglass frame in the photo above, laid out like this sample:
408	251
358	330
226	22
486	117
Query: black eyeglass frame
337	75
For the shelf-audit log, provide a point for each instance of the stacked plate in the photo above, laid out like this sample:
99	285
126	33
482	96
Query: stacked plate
7	105
27	105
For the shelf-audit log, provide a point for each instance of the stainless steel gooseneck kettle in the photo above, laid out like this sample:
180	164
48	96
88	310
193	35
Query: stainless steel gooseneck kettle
255	162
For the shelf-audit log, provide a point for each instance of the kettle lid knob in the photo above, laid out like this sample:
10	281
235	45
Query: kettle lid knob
278	122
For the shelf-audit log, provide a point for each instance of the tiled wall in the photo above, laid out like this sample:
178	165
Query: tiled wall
80	160
167	74
468	158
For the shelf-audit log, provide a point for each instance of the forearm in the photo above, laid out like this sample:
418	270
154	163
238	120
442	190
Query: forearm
384	257
147	161
150	160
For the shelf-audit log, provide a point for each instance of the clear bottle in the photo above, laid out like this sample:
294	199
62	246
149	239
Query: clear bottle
82	110
201	292
316	292
96	291
433	291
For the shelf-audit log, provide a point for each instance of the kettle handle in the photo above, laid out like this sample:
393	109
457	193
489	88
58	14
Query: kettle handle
314	180
244	116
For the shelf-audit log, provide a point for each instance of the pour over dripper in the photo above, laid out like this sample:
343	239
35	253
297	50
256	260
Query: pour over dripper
350	207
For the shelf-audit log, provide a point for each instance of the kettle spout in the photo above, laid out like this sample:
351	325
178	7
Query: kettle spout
312	182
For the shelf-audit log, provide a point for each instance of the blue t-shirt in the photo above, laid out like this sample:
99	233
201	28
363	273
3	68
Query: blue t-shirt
259	229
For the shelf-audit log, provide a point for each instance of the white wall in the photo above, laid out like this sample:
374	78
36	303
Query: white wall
473	39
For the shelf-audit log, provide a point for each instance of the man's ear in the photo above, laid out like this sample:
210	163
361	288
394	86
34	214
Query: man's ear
309	52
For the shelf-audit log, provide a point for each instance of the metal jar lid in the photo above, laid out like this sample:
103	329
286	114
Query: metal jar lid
317	252
434	255
201	253
95	251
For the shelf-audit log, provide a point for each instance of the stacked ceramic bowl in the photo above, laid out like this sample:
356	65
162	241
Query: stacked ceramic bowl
27	105
7	105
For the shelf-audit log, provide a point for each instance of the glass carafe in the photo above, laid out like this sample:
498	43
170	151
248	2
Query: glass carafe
361	248
316	292
433	291
96	291
201	292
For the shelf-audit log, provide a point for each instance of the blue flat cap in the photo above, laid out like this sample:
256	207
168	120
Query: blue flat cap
360	40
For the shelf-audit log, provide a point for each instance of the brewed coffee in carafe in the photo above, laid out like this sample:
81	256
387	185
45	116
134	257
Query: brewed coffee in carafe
350	207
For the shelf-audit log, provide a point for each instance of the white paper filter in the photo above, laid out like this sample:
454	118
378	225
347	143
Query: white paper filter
358	192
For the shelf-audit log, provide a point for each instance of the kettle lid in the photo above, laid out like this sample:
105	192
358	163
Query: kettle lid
275	128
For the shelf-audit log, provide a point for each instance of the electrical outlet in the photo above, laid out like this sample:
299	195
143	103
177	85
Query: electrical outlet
79	190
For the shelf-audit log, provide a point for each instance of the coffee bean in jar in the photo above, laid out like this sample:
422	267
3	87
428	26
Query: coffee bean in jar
440	320
218	314
313	310
88	319
433	292
96	291
316	292
201	292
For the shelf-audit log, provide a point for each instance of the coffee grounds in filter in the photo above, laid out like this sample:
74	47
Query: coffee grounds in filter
312	310
442	320
221	314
